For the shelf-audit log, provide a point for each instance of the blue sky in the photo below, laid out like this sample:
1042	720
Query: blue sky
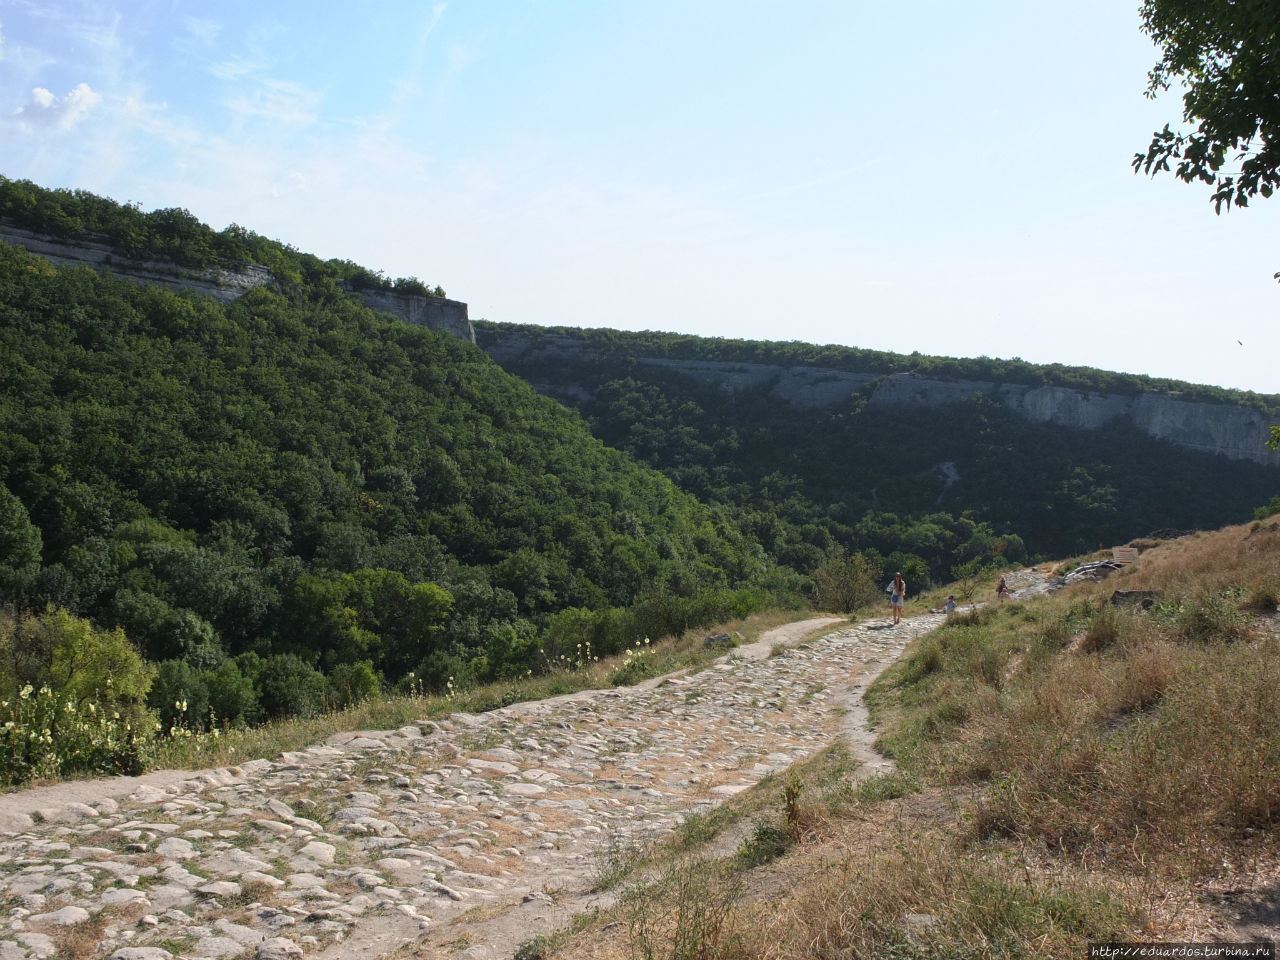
932	176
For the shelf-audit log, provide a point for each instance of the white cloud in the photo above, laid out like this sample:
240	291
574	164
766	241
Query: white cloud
203	30
46	110
278	101
236	68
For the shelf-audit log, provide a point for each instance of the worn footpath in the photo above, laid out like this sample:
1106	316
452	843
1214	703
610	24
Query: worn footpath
374	841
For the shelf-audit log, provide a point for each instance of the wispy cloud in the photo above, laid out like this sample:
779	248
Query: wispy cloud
236	68
410	86
278	101
46	110
202	29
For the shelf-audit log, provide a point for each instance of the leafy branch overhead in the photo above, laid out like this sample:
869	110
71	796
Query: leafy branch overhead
1226	54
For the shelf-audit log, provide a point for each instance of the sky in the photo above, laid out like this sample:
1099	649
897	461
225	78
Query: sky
924	175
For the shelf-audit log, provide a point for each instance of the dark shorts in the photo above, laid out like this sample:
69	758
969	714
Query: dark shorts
896	599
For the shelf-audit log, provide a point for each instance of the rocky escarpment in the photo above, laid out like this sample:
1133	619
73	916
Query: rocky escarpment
1227	430
437	313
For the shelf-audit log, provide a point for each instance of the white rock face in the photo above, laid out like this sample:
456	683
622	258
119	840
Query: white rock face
1227	430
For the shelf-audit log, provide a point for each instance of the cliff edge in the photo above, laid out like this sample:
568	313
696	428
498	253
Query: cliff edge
1223	429
436	313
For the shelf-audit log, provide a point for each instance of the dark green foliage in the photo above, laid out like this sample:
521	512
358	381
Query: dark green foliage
767	842
288	686
232	697
1269	509
179	696
1225	56
20	548
801	479
295	476
354	683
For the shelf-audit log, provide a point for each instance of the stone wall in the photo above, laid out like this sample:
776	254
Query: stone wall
437	313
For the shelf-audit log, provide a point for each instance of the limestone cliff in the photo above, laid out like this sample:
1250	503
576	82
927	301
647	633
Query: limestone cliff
1227	430
437	313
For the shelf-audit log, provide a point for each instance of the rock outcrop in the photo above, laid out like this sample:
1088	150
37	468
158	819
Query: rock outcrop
436	313
1227	430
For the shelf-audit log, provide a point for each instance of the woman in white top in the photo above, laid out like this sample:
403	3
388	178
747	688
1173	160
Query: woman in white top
897	593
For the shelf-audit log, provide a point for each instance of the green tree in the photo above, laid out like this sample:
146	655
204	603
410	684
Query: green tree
1226	55
844	582
289	687
232	698
969	574
77	661
20	546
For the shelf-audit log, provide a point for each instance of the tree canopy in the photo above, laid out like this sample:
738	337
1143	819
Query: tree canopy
1226	54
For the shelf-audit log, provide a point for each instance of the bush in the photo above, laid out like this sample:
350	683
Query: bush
180	697
1209	617
1103	630
845	582
354	683
72	658
232	697
289	687
44	734
1269	509
767	842
638	664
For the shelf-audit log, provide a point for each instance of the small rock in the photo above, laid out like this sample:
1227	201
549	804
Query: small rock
219	947
278	948
319	851
175	848
66	917
220	888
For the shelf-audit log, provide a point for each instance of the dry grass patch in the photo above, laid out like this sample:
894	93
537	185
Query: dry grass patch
914	892
1212	561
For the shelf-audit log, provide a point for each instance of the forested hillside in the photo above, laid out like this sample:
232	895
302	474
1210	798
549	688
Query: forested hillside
904	480
296	480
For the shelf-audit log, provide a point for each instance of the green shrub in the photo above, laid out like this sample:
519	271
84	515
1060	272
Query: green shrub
72	658
179	696
767	842
289	687
1210	617
639	663
354	683
45	735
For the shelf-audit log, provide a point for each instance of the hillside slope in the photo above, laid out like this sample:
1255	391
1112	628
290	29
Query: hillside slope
297	473
1068	459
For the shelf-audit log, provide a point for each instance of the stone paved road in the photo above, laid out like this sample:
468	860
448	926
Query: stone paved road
372	840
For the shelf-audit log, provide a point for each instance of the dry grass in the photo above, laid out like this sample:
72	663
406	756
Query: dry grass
913	891
1149	737
1211	561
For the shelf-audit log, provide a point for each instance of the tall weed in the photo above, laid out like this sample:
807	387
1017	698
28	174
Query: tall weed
688	914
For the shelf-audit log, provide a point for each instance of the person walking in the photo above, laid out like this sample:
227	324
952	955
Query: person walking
1002	590
897	593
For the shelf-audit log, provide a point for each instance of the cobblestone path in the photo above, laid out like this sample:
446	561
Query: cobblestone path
373	840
